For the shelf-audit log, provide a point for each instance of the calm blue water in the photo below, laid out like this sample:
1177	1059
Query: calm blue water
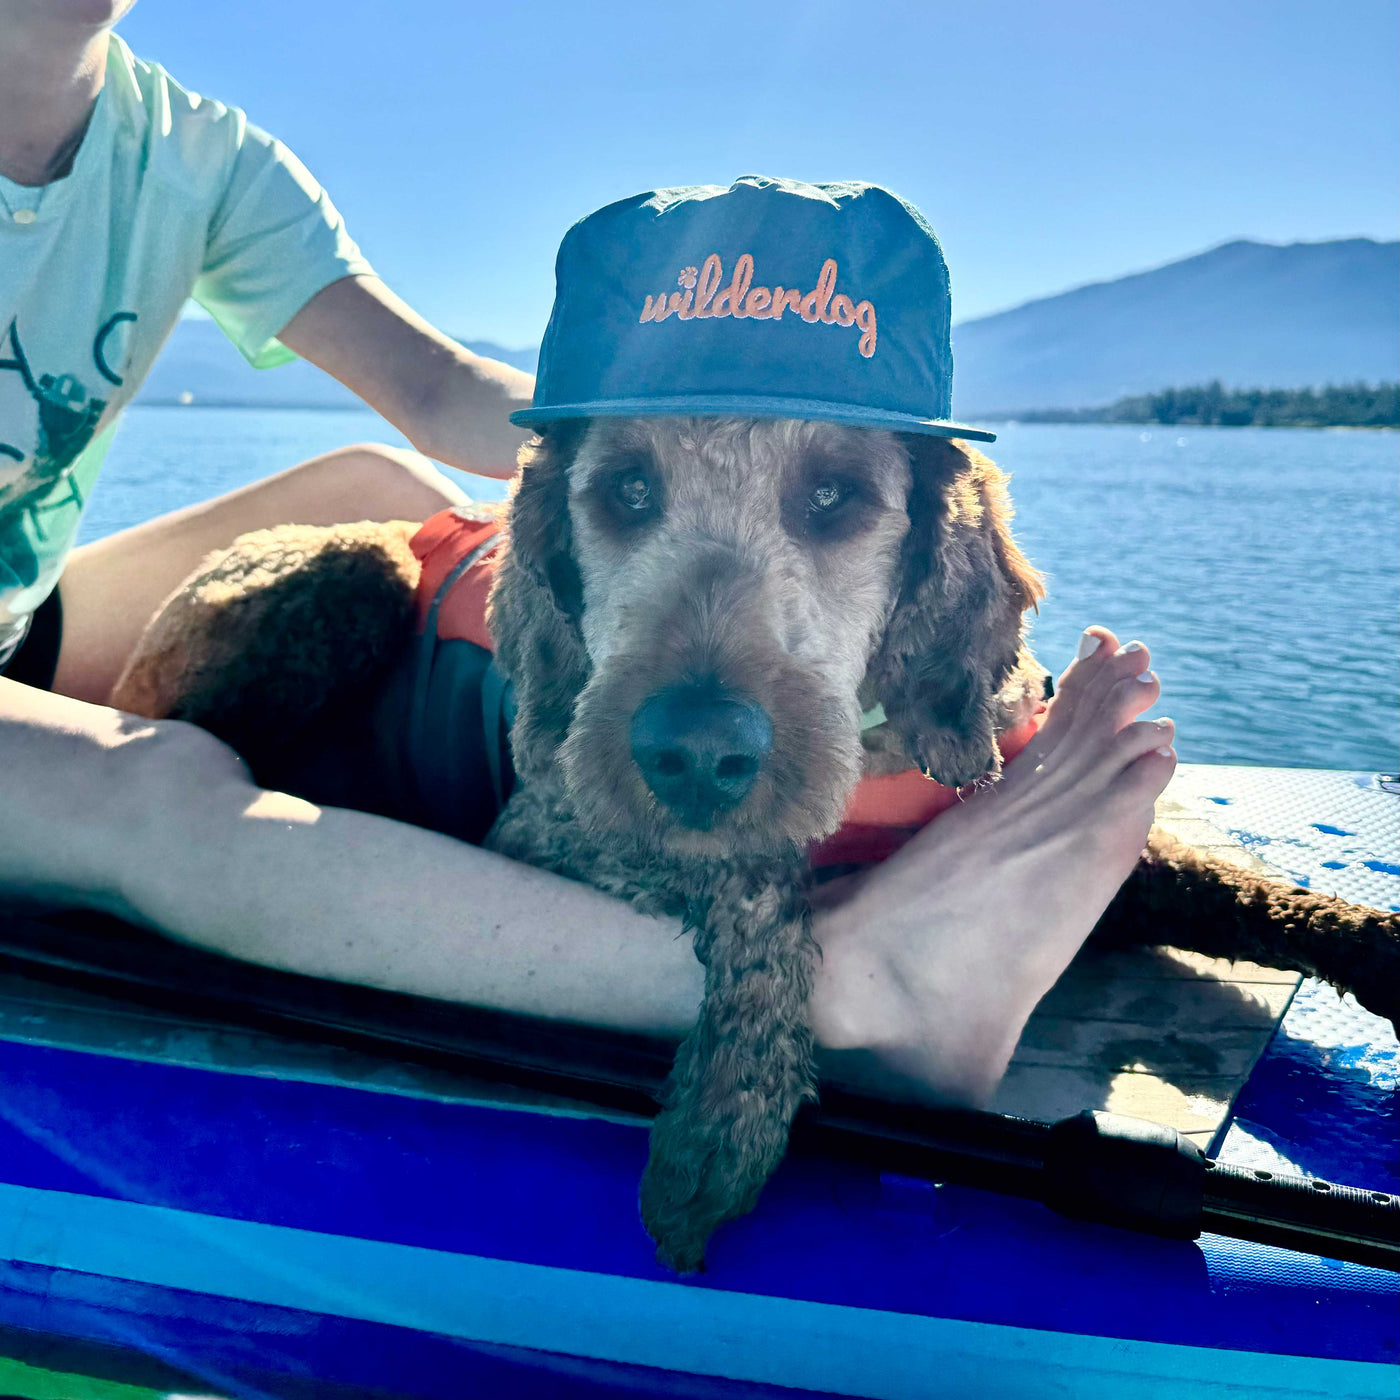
1262	566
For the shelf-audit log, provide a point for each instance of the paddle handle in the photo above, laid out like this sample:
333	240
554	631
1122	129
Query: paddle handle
1303	1213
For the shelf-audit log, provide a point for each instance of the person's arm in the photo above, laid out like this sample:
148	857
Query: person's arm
283	278
452	405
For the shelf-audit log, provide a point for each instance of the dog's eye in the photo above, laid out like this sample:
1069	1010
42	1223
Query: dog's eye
633	490
830	505
630	494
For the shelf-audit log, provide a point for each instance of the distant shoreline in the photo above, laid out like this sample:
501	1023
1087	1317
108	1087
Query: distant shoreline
355	407
1023	420
1214	406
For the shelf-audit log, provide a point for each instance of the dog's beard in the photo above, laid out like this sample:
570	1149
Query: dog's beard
798	797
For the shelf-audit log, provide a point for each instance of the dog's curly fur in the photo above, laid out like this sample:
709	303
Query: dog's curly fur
217	652
912	597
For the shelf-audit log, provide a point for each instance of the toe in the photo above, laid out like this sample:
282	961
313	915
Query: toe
1095	646
1131	659
1124	664
1132	741
1127	698
1143	778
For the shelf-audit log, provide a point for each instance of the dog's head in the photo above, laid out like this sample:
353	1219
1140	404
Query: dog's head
696	612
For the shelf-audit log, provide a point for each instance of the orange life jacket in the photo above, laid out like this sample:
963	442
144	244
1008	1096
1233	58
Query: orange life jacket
882	814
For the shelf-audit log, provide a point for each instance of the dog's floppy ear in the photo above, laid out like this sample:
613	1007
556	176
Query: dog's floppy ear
541	537
954	637
537	601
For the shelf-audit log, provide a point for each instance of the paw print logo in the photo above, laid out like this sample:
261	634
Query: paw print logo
687	277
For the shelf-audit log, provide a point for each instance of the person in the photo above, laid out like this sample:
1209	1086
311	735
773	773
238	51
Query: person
121	195
931	962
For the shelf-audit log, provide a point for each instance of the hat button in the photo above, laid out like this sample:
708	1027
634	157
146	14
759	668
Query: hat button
24	216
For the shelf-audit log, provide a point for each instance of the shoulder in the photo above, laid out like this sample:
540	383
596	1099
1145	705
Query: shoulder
180	136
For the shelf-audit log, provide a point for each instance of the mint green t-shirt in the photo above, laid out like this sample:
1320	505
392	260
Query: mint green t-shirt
171	196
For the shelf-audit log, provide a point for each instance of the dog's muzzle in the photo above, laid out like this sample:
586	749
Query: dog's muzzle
699	747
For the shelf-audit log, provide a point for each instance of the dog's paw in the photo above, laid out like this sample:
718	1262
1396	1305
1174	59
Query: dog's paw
688	277
956	758
680	1241
696	1179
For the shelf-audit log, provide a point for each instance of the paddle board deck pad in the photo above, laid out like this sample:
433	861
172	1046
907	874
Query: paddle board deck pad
1322	1101
259	1220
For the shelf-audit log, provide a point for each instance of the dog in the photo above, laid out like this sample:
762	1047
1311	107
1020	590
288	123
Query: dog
679	594
747	520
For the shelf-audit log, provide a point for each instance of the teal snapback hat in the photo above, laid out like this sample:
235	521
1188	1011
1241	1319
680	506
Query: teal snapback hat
767	299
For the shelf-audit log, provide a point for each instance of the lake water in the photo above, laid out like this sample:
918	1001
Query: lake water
1262	566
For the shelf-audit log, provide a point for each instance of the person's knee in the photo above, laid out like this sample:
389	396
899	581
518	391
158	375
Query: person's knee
174	765
379	482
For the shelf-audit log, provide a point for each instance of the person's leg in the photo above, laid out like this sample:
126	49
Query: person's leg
159	823
929	970
112	587
933	964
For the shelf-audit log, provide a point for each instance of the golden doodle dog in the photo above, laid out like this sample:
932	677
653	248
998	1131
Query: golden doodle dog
736	539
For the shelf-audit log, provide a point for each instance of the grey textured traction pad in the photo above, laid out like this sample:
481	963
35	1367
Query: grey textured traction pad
1327	830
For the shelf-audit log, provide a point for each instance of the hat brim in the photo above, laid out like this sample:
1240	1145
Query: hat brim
752	406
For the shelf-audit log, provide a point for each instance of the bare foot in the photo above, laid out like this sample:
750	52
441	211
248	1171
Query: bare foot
932	963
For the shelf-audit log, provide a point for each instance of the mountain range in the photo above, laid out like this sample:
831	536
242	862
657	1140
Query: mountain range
1252	315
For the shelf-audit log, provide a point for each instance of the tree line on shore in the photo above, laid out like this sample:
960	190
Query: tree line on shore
1213	405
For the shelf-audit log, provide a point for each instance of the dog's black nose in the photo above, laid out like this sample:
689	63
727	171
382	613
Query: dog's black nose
700	747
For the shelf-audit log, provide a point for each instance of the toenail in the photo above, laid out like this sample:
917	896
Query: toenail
1166	752
1164	723
1130	647
1089	643
1147	678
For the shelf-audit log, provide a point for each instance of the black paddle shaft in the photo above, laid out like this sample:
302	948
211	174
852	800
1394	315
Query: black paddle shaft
1096	1166
1115	1171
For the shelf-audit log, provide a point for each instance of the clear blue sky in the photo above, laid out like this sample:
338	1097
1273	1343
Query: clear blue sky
1050	144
